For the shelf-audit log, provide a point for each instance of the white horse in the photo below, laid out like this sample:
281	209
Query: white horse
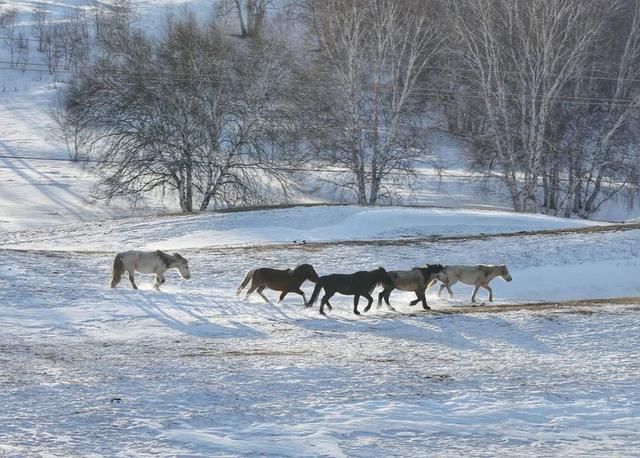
478	276
148	262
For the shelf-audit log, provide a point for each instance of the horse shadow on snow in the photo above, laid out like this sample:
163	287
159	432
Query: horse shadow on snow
464	333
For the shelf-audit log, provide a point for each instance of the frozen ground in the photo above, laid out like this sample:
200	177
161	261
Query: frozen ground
195	371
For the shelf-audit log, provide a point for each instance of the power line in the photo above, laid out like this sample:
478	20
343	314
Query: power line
246	166
290	169
477	95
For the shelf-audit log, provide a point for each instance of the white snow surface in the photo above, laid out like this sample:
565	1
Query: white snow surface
297	224
194	370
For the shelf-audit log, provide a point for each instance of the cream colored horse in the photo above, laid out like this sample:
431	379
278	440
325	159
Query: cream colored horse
478	276
148	262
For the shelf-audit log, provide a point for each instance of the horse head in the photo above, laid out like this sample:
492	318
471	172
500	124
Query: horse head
183	266
432	271
382	276
309	272
504	273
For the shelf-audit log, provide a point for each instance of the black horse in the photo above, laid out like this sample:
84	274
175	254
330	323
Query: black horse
358	284
416	280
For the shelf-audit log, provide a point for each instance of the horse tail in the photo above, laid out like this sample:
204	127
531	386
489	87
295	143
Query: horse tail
315	294
245	282
118	270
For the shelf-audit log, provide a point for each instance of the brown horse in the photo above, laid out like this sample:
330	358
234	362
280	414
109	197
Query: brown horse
416	280
286	281
358	284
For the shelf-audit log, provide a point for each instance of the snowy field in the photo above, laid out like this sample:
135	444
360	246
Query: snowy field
297	224
194	370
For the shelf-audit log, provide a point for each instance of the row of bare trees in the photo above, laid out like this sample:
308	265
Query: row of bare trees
546	91
551	90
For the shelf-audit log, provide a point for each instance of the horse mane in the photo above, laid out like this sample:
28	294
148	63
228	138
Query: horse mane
166	258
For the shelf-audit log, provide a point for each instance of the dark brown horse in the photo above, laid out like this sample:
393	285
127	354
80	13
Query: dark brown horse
287	281
416	280
358	284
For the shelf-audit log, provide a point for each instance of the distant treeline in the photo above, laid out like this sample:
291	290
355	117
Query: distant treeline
231	107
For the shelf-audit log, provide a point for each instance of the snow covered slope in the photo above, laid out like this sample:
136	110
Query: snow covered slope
40	193
312	224
36	194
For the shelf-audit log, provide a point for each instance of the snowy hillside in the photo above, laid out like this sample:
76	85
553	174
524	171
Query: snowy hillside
195	370
292	225
37	193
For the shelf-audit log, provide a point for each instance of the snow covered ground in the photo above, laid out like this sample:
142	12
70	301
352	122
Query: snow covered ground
311	224
194	370
40	193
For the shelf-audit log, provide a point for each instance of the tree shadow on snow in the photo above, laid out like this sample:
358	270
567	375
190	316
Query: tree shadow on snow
185	316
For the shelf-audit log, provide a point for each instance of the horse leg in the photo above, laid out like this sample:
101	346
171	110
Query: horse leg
159	281
475	291
415	301
327	297
380	297
386	300
370	299
300	292
421	295
325	300
488	288
356	298
250	291
282	296
259	291
447	285
132	279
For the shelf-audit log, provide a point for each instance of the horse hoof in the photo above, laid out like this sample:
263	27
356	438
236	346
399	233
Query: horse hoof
426	308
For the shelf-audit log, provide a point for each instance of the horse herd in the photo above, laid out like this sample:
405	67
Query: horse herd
358	284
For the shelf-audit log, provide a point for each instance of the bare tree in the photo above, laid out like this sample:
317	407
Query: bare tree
187	114
40	15
371	58
522	55
594	139
9	32
22	51
52	45
113	25
250	15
